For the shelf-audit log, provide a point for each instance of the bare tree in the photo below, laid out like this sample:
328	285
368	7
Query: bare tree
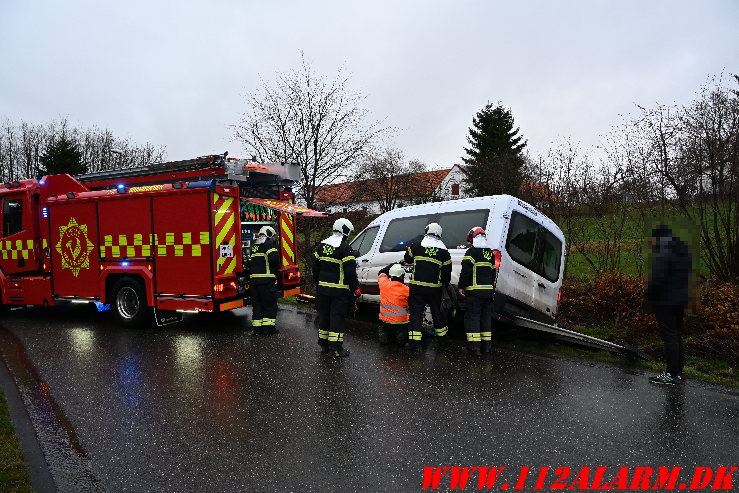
386	176
23	144
305	118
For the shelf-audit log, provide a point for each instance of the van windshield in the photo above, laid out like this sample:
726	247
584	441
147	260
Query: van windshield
456	225
403	232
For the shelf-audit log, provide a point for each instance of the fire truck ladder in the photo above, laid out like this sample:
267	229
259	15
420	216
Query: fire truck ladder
580	339
213	167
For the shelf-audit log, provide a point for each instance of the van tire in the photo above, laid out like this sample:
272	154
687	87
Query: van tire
128	300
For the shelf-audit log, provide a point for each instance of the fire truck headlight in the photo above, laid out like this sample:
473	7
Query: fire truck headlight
124	264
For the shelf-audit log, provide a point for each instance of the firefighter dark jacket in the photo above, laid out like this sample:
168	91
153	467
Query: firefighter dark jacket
478	271
335	269
265	260
432	266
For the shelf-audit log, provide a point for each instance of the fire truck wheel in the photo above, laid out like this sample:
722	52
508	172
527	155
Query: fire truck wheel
129	301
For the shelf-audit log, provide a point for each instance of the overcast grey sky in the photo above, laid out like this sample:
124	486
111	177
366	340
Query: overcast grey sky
175	73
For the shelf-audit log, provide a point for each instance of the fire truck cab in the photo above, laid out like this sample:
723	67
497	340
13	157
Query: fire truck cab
163	239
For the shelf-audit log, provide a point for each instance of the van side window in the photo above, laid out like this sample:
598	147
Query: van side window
402	232
456	225
363	242
521	240
551	255
12	216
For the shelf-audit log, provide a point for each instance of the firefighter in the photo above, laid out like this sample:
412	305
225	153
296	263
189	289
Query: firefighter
432	271
265	260
393	303
335	275
476	284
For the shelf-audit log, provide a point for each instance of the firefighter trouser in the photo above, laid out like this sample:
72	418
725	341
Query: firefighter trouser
331	314
264	307
417	300
389	332
478	317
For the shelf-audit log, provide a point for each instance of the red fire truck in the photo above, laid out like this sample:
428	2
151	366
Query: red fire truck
164	239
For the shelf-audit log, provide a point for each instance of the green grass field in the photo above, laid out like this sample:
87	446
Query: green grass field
13	475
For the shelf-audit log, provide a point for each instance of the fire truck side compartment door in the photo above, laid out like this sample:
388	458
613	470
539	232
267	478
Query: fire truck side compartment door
183	244
74	249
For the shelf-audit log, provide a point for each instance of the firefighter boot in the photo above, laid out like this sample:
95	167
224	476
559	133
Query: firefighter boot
487	343
323	341
473	349
473	344
337	350
383	335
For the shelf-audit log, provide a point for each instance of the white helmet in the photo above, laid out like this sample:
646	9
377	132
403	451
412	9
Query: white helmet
267	231
433	229
343	226
397	270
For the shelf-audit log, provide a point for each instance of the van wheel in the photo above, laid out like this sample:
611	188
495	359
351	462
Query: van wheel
128	300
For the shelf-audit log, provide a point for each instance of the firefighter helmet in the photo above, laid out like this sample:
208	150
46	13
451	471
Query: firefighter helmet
477	230
397	270
433	229
267	231
343	226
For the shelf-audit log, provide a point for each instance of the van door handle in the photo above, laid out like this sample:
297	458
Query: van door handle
541	285
365	260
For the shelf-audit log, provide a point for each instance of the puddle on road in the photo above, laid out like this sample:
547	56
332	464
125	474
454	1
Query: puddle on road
64	452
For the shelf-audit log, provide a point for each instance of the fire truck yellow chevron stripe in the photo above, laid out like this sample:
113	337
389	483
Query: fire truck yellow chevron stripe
224	220
287	239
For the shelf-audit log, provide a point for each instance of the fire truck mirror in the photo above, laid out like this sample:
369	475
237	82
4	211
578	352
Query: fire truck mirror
227	251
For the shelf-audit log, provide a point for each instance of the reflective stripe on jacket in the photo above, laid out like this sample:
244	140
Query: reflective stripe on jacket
393	301
335	269
264	262
432	267
478	270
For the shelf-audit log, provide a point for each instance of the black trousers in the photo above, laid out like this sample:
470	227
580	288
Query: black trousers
392	332
670	321
331	318
418	298
264	307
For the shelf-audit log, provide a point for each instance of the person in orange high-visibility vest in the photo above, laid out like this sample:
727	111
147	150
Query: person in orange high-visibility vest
394	315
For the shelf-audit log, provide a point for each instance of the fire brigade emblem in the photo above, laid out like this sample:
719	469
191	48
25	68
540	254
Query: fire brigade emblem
74	246
487	254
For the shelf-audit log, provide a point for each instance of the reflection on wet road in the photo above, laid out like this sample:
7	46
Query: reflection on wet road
204	406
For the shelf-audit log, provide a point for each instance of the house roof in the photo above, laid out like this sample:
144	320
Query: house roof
538	191
364	190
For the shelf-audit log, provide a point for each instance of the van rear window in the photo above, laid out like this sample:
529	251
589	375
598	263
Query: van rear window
402	232
551	255
456	225
534	246
522	239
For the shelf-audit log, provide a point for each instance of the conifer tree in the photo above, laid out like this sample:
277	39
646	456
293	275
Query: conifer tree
61	157
495	153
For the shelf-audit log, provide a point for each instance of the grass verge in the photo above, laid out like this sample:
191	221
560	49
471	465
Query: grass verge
710	370
13	474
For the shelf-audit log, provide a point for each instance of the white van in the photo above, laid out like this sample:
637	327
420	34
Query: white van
531	249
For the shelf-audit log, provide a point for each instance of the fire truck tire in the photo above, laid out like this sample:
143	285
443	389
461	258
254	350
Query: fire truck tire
128	300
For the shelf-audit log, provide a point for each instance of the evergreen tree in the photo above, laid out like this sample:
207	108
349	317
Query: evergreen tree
494	158
61	157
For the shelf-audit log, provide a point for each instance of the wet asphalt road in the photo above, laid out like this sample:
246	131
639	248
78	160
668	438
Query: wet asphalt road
203	406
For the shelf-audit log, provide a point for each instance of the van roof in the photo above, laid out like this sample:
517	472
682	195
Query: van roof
490	201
